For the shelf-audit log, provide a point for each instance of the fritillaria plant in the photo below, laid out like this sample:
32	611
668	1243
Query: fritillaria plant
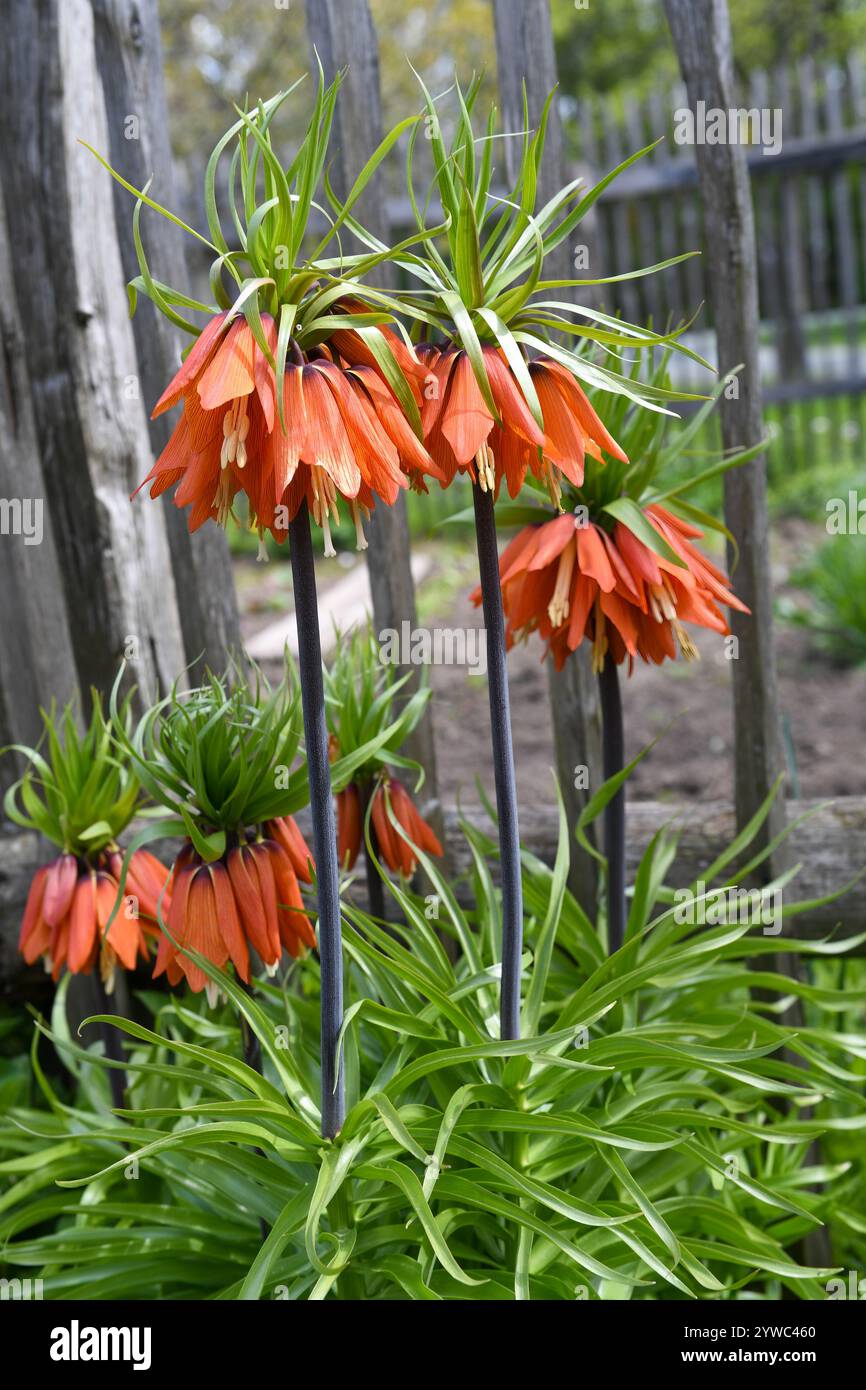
618	567
85	909
503	397
296	393
367	707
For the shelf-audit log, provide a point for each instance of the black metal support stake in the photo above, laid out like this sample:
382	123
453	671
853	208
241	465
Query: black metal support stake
614	813
252	1048
503	764
111	1044
322	807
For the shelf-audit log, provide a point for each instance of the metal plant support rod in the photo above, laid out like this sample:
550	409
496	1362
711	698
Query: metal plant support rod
613	746
503	764
322	809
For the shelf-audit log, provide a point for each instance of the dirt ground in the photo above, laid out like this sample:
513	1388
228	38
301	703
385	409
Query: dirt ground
823	705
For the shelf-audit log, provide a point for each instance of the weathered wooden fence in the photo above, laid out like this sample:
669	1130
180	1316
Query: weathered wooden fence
99	579
72	400
809	197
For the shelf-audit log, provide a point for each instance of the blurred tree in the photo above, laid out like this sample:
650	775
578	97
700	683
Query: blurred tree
215	56
625	46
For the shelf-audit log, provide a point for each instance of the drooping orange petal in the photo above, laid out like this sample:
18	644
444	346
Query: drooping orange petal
624	617
466	420
196	360
509	398
438	367
583	594
266	386
286	833
422	834
411	451
124	935
34	936
202	931
348	825
83	930
640	559
327	443
566	445
268	893
513	557
59	888
389	849
147	879
170	465
247	891
587	418
376	456
230	373
625	579
228	921
592	557
285	446
553	537
295	926
404	814
167	950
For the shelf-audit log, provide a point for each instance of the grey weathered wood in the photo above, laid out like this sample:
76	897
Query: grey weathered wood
343	34
129	56
844	233
36	657
702	36
830	846
79	349
525	53
819	264
790	335
621	214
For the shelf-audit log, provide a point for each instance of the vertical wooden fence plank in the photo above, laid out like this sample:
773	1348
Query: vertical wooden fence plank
343	33
819	260
129	56
790	336
702	36
80	351
669	245
844	233
524	52
36	660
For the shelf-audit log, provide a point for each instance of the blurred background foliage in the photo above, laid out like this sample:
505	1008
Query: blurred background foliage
218	51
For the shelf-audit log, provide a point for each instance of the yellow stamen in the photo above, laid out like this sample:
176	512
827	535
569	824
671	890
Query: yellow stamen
559	606
236	427
107	967
324	503
552	478
360	538
600	642
687	646
485	467
222	499
663	602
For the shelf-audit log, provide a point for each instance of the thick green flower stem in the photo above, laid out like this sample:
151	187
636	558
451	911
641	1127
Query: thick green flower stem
322	808
613	747
503	764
